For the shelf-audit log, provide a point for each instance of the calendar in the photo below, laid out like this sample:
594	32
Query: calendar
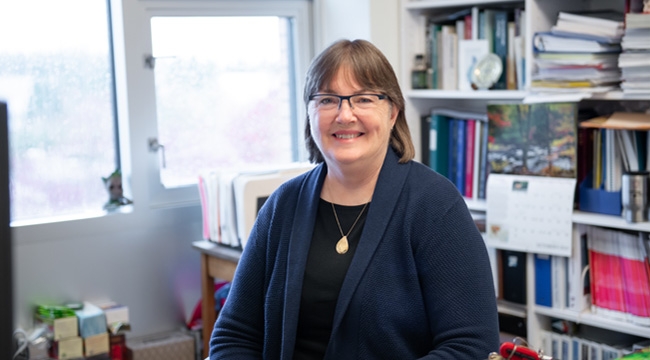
530	213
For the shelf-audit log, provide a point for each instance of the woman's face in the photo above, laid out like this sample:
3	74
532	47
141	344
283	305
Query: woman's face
358	131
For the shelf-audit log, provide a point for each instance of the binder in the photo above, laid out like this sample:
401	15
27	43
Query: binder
514	276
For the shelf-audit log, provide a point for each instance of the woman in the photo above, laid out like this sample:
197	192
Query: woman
368	256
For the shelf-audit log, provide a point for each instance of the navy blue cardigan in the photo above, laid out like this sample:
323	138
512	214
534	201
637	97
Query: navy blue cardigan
419	285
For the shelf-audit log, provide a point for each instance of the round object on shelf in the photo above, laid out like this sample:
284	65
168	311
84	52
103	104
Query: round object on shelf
486	72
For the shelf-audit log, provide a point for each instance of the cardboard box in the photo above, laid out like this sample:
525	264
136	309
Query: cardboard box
166	346
69	348
96	344
61	328
115	313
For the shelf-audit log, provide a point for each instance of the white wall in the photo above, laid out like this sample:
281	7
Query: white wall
144	259
373	20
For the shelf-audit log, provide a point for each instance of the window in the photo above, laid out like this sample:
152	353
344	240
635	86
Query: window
228	86
56	76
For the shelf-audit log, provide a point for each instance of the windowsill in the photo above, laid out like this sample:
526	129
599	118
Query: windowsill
125	209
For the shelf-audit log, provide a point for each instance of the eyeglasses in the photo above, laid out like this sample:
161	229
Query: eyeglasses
331	102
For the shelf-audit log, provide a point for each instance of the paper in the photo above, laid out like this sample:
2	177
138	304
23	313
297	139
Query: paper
530	213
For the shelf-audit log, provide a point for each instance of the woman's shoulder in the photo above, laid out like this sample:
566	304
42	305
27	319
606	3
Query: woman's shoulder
425	176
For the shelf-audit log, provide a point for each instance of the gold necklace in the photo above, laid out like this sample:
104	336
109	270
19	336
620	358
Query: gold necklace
342	245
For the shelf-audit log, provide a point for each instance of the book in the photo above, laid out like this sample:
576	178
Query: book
478	141
513	282
452	153
204	208
425	134
636	283
469	53
610	19
511	79
608	24
208	185
500	44
434	54
469	157
439	143
637	20
483	173
520	47
448	57
475	25
558	273
460	148
543	280
547	41
578	286
607	287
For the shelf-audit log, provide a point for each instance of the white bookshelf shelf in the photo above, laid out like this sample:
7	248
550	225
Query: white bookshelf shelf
600	321
506	307
476	204
612	221
618	95
457	94
437	4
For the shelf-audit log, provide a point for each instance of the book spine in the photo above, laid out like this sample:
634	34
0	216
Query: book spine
500	44
435	37
442	142
468	27
478	140
469	157
451	155
475	23
433	141
635	279
204	208
543	280
481	25
578	287
461	148
511	74
426	129
558	271
484	163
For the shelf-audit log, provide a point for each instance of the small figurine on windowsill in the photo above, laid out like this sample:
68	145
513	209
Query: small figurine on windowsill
113	184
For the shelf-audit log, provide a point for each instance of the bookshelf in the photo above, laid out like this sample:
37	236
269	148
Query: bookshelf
539	15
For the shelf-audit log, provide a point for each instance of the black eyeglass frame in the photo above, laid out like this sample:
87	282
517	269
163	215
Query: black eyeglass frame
347	97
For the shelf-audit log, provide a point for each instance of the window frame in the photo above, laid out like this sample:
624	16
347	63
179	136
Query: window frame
300	11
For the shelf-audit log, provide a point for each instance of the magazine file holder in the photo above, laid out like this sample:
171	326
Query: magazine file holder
598	200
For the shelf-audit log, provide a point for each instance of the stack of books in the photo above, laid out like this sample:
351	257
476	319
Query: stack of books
635	59
580	53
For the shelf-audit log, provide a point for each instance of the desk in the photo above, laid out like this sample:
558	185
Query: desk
217	262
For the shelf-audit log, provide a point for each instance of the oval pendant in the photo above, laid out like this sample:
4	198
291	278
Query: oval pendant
342	245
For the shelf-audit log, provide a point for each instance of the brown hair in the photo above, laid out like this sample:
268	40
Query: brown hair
371	70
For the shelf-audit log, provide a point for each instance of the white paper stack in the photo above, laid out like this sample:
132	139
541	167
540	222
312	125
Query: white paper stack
579	54
635	59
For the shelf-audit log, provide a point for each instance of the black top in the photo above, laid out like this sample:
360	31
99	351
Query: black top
324	274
